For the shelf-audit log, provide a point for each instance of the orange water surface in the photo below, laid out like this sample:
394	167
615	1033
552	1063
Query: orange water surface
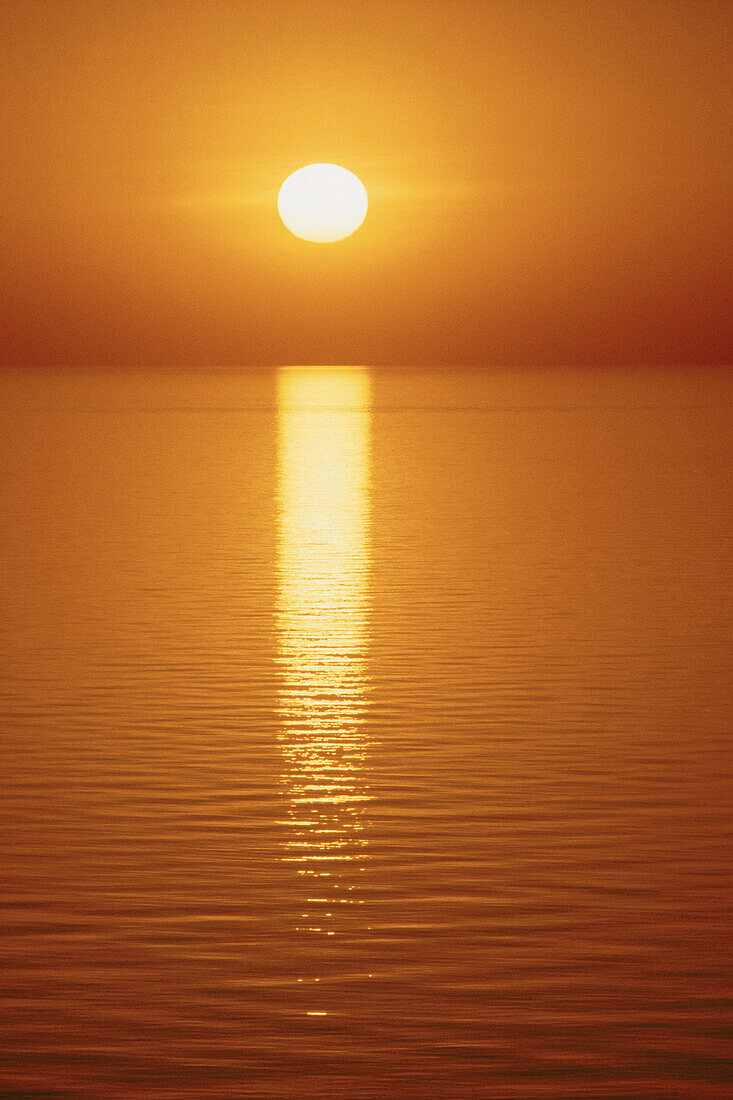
366	733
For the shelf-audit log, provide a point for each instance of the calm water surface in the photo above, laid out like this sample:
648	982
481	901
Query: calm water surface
366	734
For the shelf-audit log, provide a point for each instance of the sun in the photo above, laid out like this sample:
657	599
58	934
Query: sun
322	203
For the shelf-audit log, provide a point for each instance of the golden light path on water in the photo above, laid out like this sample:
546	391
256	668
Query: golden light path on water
322	619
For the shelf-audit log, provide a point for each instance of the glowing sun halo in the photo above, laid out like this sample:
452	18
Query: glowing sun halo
322	203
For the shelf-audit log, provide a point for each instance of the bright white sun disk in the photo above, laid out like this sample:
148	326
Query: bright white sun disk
322	203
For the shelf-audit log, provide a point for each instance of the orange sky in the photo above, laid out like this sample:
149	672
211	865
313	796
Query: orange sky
549	181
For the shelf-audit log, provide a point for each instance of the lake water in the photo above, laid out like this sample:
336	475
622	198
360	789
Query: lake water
366	734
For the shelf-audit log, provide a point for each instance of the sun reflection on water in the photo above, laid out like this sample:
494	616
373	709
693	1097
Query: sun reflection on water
323	589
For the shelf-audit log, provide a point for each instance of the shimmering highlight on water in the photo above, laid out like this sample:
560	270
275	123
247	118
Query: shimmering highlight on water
322	623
